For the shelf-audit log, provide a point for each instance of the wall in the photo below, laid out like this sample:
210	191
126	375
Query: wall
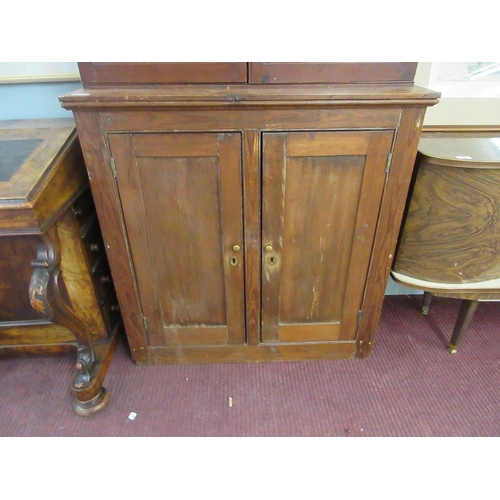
475	104
34	100
40	100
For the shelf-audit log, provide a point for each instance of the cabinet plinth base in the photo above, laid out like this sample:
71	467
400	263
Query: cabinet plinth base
246	354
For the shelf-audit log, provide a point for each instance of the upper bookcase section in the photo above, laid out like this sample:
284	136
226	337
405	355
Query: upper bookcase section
104	74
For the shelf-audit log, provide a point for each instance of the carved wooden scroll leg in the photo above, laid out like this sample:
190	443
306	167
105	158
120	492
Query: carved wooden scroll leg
45	292
467	310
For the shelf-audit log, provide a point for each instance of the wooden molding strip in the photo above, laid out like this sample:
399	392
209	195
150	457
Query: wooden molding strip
461	128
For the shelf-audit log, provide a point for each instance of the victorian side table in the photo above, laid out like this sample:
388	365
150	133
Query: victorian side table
56	293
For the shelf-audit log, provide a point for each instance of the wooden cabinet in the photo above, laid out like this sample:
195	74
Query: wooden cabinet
251	221
56	291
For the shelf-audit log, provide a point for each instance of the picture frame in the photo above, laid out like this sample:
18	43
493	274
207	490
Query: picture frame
38	72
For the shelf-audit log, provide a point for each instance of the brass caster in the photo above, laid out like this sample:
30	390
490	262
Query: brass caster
425	310
95	405
452	349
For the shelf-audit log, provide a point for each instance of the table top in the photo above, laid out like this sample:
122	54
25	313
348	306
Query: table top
26	156
40	165
464	149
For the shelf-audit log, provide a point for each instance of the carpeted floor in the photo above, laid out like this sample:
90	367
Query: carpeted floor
410	386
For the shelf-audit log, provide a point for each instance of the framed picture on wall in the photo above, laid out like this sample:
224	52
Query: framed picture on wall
466	79
38	72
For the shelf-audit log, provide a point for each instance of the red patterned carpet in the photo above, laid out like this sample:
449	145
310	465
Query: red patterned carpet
410	386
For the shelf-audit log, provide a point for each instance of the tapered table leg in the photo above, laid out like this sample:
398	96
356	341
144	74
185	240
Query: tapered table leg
467	310
426	302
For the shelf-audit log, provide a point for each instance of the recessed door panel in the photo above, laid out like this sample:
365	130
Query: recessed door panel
181	195
321	197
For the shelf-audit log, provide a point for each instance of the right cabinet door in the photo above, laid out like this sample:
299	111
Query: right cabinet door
321	197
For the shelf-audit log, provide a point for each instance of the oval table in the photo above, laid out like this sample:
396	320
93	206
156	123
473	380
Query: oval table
449	245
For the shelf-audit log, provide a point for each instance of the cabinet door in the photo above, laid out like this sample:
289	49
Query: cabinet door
182	203
321	197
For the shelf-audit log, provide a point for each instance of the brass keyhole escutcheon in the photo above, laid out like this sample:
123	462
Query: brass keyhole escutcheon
233	260
272	259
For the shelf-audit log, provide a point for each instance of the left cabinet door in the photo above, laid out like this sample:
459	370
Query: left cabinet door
181	195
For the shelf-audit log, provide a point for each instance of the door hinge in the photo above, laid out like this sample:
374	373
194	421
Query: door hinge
360	317
113	167
387	165
144	322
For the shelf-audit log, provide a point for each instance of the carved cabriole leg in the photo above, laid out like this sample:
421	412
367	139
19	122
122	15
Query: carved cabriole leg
45	293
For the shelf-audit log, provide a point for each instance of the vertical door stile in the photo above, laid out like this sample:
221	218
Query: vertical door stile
370	200
273	214
232	233
253	232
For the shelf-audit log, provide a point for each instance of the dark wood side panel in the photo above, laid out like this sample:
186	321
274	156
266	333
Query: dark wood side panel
17	255
126	73
393	204
109	210
331	72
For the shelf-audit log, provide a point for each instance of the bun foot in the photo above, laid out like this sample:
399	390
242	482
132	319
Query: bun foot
94	405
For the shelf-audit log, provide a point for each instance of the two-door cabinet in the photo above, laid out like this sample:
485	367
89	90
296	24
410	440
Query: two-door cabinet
250	211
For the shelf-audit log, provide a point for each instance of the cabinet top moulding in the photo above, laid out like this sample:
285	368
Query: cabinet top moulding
181	96
246	85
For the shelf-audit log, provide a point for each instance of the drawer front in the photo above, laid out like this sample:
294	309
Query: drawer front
121	73
111	311
102	278
84	208
92	239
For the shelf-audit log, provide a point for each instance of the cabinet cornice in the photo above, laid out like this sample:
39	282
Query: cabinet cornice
250	96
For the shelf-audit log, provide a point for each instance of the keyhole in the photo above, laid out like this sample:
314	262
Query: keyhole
272	260
233	260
